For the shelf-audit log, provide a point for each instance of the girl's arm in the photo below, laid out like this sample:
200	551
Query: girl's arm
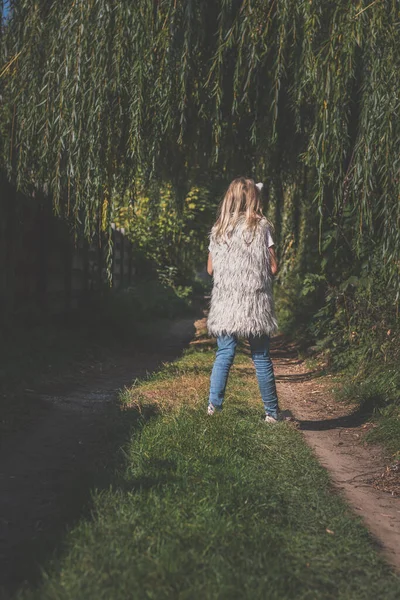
273	260
209	265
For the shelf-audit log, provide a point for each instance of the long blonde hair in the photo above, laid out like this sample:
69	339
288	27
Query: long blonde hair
242	199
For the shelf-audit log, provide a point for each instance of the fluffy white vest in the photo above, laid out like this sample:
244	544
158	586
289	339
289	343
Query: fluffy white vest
242	301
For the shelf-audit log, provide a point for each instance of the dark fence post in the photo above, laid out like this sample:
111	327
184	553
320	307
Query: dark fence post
122	233
130	262
85	250
68	271
10	241
99	263
42	253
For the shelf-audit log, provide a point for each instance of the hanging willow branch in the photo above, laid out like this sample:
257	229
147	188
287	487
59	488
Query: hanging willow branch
106	91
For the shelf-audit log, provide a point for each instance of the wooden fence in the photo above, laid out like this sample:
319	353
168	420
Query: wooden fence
42	267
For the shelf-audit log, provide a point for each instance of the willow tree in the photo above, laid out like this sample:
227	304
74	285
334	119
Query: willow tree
102	92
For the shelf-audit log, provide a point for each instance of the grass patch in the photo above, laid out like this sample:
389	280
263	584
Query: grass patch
221	507
387	431
376	390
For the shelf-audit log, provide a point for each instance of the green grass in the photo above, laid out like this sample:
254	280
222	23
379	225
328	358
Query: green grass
387	431
215	508
376	389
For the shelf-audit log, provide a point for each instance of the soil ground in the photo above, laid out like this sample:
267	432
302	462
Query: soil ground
48	469
336	431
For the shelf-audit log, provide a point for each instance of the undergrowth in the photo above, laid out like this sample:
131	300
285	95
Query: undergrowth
376	389
355	332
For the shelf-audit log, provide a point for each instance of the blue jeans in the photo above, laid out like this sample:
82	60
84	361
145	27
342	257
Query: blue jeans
259	346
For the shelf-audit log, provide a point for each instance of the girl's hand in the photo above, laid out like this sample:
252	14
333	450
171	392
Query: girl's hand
209	265
273	260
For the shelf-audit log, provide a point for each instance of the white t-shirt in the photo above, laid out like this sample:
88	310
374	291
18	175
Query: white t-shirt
270	241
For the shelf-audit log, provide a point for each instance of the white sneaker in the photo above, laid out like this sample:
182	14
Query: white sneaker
269	419
210	409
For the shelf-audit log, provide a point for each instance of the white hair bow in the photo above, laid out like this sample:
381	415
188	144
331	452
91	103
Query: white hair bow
260	185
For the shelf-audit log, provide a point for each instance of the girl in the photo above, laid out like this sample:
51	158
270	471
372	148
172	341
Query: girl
242	261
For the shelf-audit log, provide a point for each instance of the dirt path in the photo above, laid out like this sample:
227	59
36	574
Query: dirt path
48	469
336	433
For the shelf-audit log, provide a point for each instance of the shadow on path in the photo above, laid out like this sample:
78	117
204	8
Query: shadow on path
48	471
350	421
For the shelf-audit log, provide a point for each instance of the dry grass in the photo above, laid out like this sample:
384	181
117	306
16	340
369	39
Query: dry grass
172	389
189	390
